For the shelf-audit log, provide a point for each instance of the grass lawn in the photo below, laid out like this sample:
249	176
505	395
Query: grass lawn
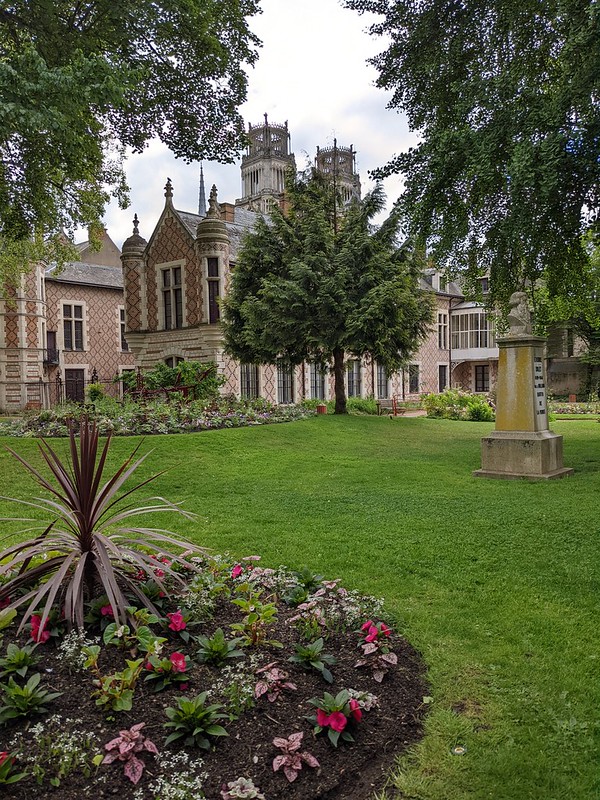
496	582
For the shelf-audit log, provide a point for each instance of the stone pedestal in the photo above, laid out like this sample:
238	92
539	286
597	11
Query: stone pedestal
521	446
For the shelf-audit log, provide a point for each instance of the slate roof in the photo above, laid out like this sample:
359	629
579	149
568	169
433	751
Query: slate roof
87	274
244	221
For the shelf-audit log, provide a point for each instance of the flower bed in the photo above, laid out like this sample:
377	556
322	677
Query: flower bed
132	419
177	676
265	717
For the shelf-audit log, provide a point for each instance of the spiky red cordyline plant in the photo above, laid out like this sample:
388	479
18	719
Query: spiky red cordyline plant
87	545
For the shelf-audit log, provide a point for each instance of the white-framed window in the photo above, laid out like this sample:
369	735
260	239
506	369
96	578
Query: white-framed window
172	361
171	295
354	377
414	378
317	381
73	318
383	383
442	331
249	385
472	329
285	383
122	340
482	378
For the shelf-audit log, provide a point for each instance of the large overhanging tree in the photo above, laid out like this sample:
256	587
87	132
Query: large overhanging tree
315	284
506	99
79	82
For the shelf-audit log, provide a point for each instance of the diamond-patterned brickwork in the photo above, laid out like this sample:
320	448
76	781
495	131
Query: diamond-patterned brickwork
102	327
173	243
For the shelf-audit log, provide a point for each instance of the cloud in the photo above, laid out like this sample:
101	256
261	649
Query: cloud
312	72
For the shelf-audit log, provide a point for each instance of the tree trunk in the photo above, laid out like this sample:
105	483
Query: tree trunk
338	381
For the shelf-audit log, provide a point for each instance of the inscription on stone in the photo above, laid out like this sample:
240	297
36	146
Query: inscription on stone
539	387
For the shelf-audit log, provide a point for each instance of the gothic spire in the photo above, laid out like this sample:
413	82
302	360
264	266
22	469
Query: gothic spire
201	195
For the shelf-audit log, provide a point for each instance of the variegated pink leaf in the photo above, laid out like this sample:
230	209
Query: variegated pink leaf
134	769
278	761
290	773
309	759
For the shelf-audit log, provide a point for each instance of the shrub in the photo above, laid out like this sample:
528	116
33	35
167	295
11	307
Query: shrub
89	537
456	404
95	391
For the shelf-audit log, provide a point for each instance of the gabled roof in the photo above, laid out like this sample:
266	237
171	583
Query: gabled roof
244	221
79	273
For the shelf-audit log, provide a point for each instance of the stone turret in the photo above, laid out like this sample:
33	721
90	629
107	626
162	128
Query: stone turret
132	260
212	248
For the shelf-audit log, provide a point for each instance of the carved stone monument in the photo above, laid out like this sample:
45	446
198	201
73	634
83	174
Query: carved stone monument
522	446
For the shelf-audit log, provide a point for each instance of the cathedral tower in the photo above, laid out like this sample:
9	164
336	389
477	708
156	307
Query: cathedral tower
264	165
339	164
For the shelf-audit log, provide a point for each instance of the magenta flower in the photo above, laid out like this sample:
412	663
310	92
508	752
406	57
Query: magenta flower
355	709
107	611
160	573
384	629
322	718
177	622
3	757
372	634
178	662
237	571
36	634
368	624
337	721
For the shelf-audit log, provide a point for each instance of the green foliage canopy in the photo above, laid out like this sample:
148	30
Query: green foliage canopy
313	284
505	97
80	82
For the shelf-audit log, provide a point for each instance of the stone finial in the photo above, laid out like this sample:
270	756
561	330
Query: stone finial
169	189
213	207
519	315
136	222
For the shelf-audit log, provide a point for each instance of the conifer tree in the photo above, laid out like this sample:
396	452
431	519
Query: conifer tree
316	283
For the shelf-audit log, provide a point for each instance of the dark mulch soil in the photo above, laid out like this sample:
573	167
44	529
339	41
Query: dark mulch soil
352	771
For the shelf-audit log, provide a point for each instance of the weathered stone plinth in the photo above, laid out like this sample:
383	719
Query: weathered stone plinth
521	446
536	455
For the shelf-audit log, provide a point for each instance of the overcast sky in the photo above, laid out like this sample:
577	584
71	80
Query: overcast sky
312	72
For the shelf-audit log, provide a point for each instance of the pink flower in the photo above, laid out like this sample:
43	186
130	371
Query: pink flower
384	629
36	634
322	718
178	662
372	634
355	709
160	573
337	721
3	757
237	571
177	622
107	611
368	624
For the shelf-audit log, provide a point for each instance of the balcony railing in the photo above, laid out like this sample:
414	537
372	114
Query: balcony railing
51	356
